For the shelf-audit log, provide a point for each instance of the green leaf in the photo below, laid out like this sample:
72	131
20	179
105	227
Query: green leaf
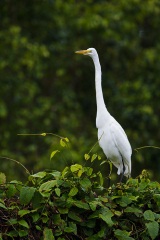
132	210
100	178
36	200
63	210
53	153
47	186
65	171
74	216
48	235
71	228
82	205
102	232
23	233
62	143
110	166
133	182
12	221
11	190
39	175
106	216
45	217
80	172
103	162
157	216
2	178
23	223
94	156
57	219
16	182
26	194
13	234
73	192
93	205
55	173
118	213
104	199
149	215
133	198
38	228
157	199
2	205
122	235
21	213
43	134
86	156
95	214
85	184
70	202
153	229
66	139
58	191
143	185
76	167
88	170
35	216
124	201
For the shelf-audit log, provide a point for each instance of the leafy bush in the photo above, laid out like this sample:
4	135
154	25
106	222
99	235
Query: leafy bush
74	204
46	87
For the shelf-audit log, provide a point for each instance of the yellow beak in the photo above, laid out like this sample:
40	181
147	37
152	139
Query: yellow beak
83	51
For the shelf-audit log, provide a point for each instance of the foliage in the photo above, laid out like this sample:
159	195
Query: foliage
74	204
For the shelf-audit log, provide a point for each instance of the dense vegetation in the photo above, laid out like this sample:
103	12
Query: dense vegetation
75	204
45	87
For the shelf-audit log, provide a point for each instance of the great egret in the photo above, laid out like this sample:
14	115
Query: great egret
112	138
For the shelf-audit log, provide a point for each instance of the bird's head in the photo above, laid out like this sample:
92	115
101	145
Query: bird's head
90	52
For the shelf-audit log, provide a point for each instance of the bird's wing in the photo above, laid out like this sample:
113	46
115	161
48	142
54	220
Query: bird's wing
121	141
120	137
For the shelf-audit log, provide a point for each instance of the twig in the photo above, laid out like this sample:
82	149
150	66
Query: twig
136	149
95	143
40	134
13	160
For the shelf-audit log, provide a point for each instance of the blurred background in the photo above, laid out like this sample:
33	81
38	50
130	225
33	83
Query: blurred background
45	87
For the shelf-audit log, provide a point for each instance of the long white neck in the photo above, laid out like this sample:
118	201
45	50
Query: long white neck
102	113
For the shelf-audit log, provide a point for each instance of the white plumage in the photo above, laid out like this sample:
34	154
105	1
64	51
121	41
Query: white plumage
112	138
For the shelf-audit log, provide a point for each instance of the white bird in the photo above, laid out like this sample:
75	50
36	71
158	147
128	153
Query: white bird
112	138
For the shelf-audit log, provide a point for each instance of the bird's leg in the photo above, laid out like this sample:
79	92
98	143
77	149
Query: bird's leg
122	172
